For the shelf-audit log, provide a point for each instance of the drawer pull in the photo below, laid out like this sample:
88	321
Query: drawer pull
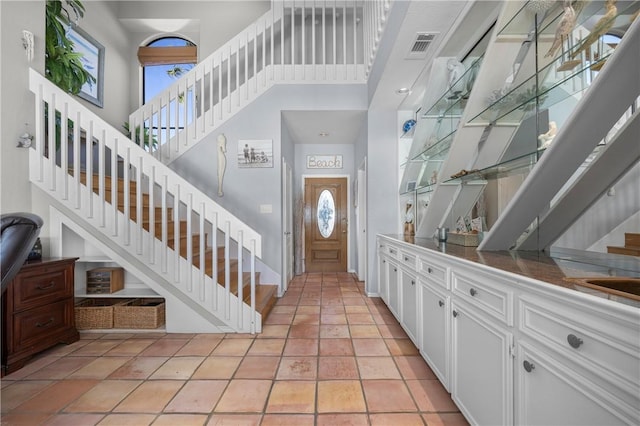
384	261
406	259
455	313
46	287
429	270
440	303
528	367
413	282
574	341
473	292
44	324
395	269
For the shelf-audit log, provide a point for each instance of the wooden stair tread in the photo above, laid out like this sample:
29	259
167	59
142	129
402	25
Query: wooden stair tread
266	296
630	251
631	239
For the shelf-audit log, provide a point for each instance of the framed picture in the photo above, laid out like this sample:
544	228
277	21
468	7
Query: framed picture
93	61
255	153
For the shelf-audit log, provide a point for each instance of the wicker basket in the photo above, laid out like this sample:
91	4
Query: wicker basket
96	313
139	313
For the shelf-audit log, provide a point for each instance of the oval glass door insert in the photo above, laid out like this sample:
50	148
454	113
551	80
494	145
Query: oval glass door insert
326	213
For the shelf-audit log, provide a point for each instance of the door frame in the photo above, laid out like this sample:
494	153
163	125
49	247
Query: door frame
288	252
349	211
361	221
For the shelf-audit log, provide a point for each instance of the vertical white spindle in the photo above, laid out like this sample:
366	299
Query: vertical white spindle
39	147
227	270
114	187
52	142
202	250
252	247
139	204
355	40
344	40
229	80
303	46
264	53
88	144
209	64
324	38
201	104
293	40
127	196
272	53
176	132
152	216
335	40
313	38
189	242
64	146
176	232
214	259
165	237
220	67
102	155
246	64
240	305
282	76
76	158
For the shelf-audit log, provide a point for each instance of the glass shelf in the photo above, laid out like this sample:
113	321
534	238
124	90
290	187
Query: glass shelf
518	165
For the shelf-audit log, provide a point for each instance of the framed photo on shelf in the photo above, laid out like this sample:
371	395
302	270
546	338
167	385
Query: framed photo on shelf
93	61
255	153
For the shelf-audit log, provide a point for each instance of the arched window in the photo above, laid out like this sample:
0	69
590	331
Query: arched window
163	61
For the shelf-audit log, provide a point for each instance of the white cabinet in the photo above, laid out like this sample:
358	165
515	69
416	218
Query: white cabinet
481	373
409	310
435	319
383	281
551	391
477	326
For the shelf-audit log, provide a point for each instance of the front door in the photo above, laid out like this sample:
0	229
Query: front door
325	221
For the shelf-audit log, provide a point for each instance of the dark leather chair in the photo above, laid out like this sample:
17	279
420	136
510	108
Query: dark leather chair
19	232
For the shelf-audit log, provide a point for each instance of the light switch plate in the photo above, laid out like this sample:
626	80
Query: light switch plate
266	208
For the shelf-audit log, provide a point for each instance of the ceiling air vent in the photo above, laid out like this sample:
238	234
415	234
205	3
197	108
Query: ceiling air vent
420	45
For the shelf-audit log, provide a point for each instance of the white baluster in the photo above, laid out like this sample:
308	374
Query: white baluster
102	158
76	158
203	255
127	196
152	216
64	146
139	204
227	271
52	142
189	242
114	187
176	232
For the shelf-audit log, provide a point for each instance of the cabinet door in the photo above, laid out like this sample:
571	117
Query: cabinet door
383	284
482	373
392	281
550	392
409	311
434	344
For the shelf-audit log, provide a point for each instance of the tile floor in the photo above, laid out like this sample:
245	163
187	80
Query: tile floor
328	355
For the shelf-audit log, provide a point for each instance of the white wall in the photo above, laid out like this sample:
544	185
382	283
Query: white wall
246	189
16	100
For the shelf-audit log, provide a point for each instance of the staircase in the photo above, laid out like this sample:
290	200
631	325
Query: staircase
297	42
146	214
631	245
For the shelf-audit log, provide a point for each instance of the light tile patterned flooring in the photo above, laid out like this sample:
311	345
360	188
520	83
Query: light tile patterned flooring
328	355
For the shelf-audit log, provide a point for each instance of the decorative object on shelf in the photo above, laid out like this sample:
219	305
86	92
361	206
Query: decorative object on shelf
466	239
255	153
409	218
464	172
442	234
222	161
461	226
564	28
408	125
434	178
36	251
476	224
601	27
456	82
539	6
105	280
545	139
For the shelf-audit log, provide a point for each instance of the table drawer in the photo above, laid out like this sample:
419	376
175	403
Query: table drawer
583	338
485	293
42	287
31	326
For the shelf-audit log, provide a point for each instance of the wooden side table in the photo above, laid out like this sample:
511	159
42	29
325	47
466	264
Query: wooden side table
38	310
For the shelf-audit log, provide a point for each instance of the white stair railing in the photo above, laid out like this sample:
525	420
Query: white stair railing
297	41
141	213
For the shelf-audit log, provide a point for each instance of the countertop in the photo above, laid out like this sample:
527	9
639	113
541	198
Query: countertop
551	267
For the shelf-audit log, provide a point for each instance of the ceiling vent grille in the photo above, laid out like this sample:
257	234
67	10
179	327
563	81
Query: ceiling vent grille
420	45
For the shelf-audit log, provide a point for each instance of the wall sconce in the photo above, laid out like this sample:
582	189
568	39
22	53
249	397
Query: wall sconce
24	141
28	44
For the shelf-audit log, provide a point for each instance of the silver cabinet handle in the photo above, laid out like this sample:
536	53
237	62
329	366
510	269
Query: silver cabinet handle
413	282
574	341
440	303
455	313
395	269
429	270
528	367
473	292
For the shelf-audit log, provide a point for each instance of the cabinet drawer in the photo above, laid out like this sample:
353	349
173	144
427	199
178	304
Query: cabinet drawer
408	260
484	292
585	339
36	324
42	287
435	274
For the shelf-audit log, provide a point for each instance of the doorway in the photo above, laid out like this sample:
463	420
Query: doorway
326	213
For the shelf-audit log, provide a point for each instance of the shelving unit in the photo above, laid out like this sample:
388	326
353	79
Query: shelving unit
522	99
